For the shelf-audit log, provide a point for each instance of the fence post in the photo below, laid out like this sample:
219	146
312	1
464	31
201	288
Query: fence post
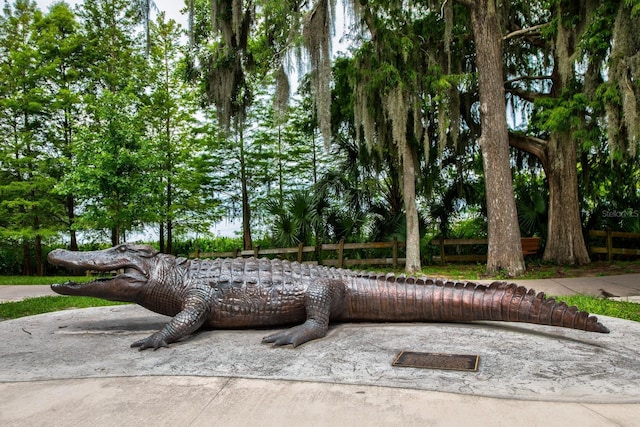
340	253
256	251
609	244
197	252
441	250
300	246
395	252
236	251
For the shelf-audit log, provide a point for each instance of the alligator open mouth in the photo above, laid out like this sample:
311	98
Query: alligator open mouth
131	262
130	274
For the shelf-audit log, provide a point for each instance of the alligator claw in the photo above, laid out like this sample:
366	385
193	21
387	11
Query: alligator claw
297	335
154	341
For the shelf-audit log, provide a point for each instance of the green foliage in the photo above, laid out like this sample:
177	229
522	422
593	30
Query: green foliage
10	258
207	244
634	6
180	177
531	201
560	114
110	167
595	40
27	205
296	220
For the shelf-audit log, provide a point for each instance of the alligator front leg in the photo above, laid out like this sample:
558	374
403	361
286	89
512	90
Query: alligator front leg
195	312
318	303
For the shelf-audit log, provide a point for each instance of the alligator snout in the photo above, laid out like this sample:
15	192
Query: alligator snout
55	255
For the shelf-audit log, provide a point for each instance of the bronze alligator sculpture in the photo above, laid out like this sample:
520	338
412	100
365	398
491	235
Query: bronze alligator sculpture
258	293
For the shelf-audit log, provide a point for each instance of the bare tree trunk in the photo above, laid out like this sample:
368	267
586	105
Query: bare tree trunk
71	218
246	209
37	245
565	241
27	269
505	250
413	263
161	236
38	255
115	235
169	246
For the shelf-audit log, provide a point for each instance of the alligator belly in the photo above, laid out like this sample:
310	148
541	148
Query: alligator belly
245	316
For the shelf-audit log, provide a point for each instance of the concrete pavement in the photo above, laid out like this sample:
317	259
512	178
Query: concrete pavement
20	292
76	368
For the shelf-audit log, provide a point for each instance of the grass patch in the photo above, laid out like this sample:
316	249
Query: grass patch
41	280
39	305
604	307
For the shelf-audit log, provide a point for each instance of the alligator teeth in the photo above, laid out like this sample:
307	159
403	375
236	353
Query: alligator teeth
67	284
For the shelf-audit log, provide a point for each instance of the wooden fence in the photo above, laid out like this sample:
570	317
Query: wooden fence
340	260
609	249
530	246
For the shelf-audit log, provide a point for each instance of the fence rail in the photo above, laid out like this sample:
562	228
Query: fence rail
609	249
340	259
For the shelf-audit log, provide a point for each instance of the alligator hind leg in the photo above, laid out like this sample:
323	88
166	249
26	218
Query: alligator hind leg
318	299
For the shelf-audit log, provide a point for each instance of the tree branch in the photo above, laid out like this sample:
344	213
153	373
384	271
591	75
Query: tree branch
525	31
530	144
518	79
527	95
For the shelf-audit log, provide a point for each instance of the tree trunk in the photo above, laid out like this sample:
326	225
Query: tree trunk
27	269
413	263
246	209
37	246
71	218
505	250
115	235
558	154
38	256
565	241
169	247
161	236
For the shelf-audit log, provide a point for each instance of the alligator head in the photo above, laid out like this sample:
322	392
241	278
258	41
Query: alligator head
138	263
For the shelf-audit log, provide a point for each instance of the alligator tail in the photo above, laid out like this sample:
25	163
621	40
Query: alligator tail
401	298
510	303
